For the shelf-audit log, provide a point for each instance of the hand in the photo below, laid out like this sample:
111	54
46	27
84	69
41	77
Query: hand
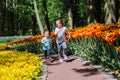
69	37
44	42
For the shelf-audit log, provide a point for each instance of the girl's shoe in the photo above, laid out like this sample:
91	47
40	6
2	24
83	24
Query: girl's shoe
51	60
60	60
65	57
44	60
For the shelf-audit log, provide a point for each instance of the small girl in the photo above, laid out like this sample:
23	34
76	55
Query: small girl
61	39
46	44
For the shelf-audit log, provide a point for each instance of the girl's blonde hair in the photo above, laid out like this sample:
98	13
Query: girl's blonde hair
61	21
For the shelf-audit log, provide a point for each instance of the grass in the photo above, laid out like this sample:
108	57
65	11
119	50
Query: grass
2	44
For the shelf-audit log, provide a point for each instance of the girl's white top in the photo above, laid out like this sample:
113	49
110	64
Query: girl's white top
60	34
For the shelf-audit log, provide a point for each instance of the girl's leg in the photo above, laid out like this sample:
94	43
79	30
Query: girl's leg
64	54
59	52
48	53
64	45
45	54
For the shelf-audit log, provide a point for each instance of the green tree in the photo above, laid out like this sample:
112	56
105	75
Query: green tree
110	11
30	17
45	11
56	10
117	5
38	17
1	18
93	11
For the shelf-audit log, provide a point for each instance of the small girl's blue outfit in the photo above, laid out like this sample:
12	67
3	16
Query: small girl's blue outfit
46	46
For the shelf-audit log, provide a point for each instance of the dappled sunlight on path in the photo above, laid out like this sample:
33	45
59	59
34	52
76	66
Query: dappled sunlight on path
72	69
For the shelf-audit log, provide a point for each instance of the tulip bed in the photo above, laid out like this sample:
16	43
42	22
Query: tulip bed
99	43
16	65
97	51
109	33
3	47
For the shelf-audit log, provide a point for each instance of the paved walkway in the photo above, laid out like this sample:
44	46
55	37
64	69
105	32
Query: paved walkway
72	70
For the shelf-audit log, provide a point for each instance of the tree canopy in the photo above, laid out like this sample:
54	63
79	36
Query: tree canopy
31	17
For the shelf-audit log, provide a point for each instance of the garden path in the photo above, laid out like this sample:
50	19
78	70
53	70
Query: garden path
72	69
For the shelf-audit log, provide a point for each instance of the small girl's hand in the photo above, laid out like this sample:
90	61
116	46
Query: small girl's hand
44	42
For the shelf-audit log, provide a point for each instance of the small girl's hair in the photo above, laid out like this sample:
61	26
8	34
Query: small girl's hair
46	30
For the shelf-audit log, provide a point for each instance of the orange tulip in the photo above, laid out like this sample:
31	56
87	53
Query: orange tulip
67	40
75	36
117	72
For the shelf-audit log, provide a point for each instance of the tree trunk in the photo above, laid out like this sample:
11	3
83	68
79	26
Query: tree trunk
0	17
119	11
38	17
44	8
34	32
6	21
7	18
117	3
110	11
97	4
70	14
12	21
93	11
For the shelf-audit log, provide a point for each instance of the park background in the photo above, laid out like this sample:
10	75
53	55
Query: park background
93	25
30	17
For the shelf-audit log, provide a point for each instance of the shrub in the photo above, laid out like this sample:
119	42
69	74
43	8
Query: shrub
18	47
96	50
33	47
9	39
